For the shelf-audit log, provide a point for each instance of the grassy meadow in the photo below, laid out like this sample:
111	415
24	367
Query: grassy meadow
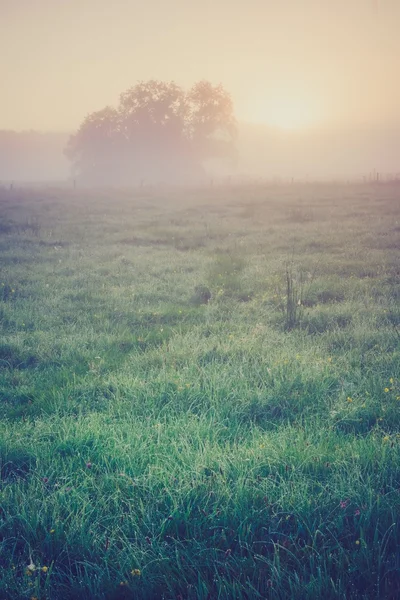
200	393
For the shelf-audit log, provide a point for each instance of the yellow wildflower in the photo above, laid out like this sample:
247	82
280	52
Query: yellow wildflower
45	569
386	438
136	572
357	542
386	390
349	399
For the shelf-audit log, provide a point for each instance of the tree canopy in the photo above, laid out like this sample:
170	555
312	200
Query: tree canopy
158	132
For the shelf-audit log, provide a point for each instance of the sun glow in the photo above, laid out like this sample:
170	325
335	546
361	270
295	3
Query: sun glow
290	114
291	117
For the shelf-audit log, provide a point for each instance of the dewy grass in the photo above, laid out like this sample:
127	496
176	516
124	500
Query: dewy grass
164	433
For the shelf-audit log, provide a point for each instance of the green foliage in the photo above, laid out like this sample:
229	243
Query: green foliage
224	276
162	438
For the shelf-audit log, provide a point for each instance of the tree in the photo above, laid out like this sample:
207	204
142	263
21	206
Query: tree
153	116
94	149
158	132
212	121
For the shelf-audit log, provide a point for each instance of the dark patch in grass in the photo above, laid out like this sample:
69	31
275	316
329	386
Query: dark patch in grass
214	356
186	245
322	322
201	295
6	292
55	243
389	244
13	358
6	227
123	346
15	463
300	215
16	398
350	269
179	243
136	241
27	410
318	246
17	260
10	226
327	296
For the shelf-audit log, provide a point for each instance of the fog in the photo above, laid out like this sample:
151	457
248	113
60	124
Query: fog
314	84
320	154
29	157
262	153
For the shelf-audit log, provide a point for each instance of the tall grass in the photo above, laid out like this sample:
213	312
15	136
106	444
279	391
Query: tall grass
182	416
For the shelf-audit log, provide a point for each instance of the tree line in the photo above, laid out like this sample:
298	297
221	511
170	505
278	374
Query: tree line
158	132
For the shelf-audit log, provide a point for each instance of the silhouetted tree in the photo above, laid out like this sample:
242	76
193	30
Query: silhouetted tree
153	116
94	149
158	132
212	124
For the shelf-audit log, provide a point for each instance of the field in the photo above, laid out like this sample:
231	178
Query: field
200	393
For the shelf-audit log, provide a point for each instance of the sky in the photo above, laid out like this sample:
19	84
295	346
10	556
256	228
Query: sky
289	64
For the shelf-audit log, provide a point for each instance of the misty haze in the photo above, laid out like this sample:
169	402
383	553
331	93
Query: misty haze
199	300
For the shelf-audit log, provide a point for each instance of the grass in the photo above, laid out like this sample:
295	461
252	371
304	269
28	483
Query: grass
180	422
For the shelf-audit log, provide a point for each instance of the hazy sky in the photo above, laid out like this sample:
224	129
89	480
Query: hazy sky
289	63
